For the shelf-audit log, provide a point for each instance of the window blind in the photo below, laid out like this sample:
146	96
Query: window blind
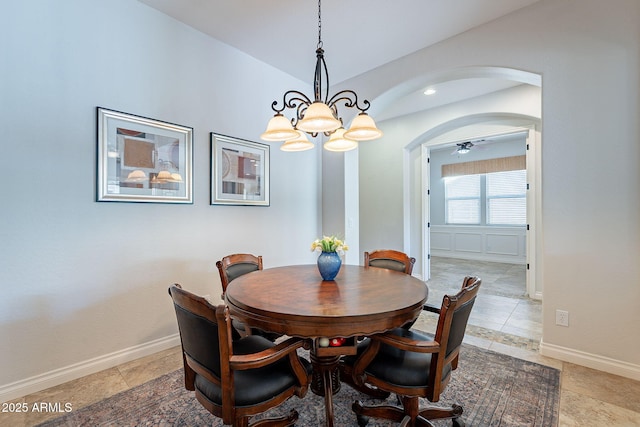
506	198
462	199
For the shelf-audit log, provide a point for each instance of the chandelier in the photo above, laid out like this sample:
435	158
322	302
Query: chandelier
320	115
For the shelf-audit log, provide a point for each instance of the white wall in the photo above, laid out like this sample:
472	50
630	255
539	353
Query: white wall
587	52
85	283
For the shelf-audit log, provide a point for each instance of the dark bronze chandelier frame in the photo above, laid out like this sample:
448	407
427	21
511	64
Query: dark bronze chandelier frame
298	101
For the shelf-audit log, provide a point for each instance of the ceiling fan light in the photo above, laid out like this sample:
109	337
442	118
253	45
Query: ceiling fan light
318	118
363	128
301	143
279	128
338	142
463	150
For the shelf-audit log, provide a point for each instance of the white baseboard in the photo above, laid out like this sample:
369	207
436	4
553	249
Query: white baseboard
59	376
536	295
594	361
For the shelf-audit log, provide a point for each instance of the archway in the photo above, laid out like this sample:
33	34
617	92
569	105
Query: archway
470	128
518	107
392	95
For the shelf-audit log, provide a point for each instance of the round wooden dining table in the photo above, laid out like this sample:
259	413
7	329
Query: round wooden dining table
295	301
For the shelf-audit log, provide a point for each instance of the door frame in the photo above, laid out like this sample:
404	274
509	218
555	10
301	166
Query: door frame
533	232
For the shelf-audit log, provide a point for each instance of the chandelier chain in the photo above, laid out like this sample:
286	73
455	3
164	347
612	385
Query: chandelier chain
319	25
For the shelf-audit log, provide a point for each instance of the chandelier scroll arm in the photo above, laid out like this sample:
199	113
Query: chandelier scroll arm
350	99
292	99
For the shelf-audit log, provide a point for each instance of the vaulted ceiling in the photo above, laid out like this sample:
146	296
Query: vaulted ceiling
357	35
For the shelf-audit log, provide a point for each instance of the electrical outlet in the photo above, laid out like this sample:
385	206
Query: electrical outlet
562	318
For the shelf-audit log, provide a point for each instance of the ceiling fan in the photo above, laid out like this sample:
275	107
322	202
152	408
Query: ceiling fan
465	147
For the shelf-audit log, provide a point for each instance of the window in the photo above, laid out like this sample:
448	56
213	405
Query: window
462	199
506	198
504	194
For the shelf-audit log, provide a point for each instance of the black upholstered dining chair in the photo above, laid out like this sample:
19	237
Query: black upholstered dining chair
236	379
235	265
413	364
389	259
231	267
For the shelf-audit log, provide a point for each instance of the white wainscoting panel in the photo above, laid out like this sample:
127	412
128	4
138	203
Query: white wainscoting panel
468	242
440	240
502	244
482	243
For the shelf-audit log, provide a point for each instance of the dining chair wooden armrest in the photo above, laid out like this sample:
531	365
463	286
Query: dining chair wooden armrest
431	308
266	357
406	343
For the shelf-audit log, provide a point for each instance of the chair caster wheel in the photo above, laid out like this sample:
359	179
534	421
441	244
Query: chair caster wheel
456	422
362	420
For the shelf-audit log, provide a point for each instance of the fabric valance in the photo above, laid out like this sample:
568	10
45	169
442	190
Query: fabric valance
502	164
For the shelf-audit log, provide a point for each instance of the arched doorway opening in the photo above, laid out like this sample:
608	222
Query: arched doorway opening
515	108
417	194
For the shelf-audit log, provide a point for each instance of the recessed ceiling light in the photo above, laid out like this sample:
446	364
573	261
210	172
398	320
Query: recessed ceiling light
429	91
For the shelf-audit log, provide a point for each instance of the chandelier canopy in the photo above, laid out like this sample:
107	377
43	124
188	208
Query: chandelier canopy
320	115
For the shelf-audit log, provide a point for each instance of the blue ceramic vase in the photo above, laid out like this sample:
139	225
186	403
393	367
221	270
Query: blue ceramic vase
329	265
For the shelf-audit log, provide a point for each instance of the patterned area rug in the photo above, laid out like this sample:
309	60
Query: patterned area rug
494	390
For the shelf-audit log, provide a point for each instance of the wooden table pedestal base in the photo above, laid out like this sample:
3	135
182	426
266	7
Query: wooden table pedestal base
325	381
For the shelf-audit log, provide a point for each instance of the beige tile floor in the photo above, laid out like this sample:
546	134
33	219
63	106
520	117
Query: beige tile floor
506	321
503	320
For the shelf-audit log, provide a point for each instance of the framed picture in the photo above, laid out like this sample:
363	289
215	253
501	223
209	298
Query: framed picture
143	160
239	171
